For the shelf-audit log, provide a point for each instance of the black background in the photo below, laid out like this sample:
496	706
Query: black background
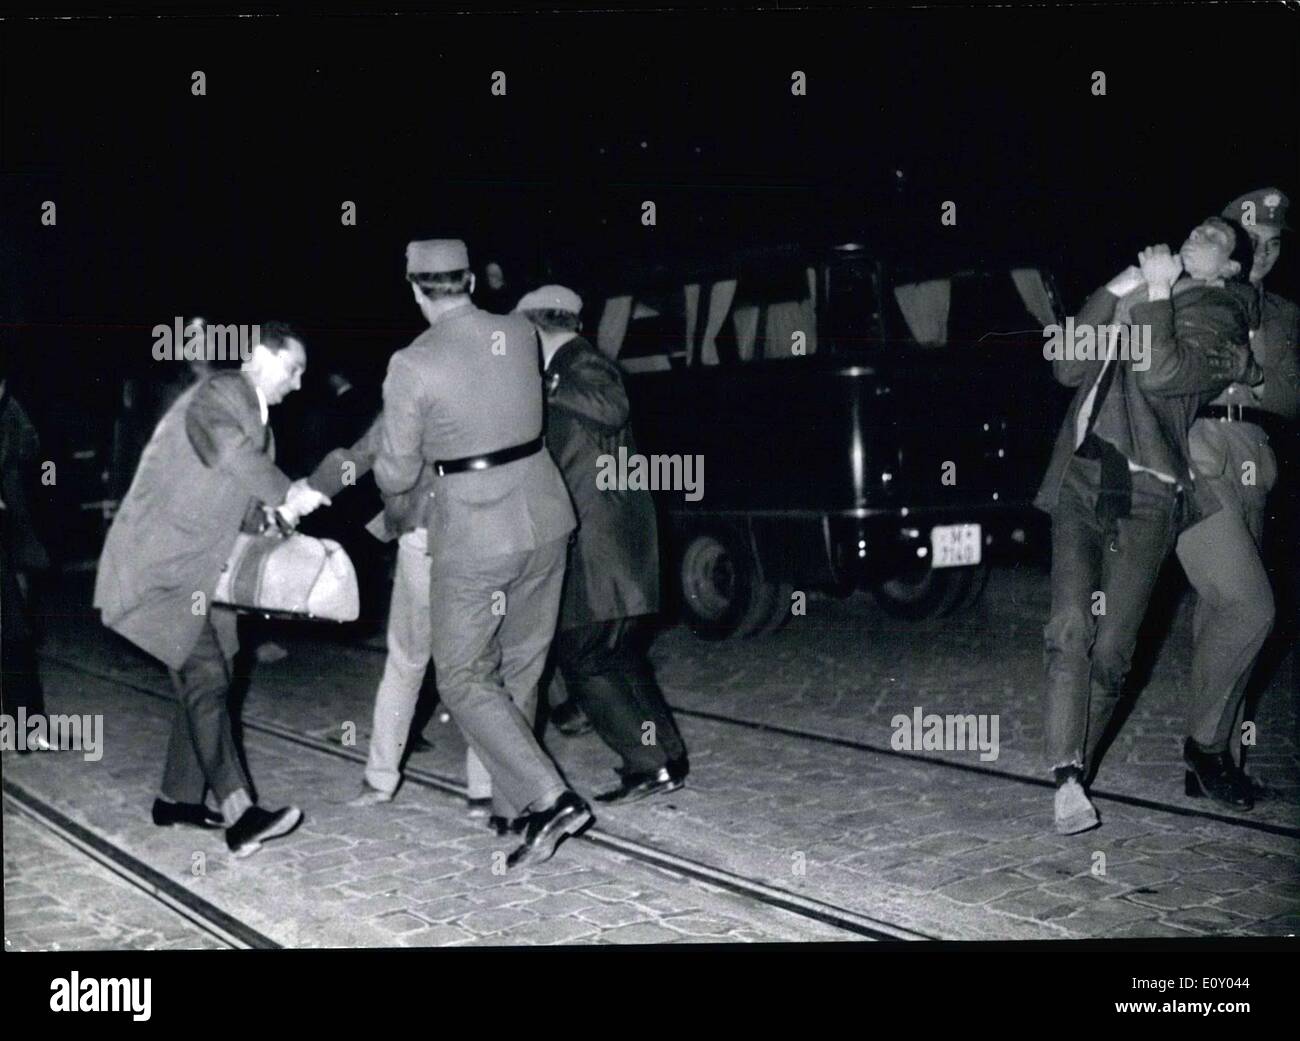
230	204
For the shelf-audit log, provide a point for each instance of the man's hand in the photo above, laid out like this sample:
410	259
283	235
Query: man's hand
1126	281
1160	269
302	499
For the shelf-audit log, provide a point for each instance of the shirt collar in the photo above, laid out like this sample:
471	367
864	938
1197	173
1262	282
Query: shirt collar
262	406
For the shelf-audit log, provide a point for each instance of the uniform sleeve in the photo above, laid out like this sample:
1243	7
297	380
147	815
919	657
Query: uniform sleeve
218	436
1182	341
333	473
1098	309
1281	364
591	387
399	460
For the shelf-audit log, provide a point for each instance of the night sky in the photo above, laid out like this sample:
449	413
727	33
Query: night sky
229	204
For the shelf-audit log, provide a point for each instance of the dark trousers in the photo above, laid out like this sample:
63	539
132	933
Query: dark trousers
20	683
605	668
201	752
1090	639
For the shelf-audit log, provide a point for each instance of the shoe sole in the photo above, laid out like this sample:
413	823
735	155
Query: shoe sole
274	832
546	845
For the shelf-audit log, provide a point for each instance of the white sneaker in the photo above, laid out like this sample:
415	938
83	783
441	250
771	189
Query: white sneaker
1074	810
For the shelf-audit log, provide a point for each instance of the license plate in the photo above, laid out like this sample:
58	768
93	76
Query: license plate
955	545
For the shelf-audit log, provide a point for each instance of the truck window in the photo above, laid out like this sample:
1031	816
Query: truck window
762	314
974	307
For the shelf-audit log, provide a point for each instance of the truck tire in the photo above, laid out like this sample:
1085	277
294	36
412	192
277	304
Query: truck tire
931	593
722	592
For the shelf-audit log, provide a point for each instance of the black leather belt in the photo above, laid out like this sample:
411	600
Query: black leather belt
1265	420
491	459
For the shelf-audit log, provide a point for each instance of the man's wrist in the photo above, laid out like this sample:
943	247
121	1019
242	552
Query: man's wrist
1158	291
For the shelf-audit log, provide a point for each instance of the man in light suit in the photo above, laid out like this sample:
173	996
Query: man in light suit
462	441
208	466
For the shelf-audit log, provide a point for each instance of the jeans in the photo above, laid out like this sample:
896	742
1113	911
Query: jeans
1090	638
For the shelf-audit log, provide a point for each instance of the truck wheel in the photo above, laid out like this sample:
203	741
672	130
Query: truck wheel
772	610
931	593
720	587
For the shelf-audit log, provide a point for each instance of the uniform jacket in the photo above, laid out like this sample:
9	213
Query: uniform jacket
1277	346
210	459
614	563
468	385
1148	413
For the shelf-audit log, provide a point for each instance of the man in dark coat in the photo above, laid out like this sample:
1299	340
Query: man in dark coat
209	463
612	581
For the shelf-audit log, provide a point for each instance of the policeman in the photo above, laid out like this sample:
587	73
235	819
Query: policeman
462	442
1230	452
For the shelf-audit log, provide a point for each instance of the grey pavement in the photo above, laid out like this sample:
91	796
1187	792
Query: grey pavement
962	851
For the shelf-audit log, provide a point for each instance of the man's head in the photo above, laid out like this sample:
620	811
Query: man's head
556	312
277	361
1263	214
438	270
1217	249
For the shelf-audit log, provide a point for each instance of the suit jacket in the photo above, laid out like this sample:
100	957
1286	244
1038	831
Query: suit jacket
614	563
209	461
1147	414
468	385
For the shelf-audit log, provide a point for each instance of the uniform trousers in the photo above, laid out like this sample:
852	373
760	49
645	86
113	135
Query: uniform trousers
1221	556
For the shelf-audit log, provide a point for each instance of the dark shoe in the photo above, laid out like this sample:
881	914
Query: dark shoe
257	825
195	814
548	828
635	787
1216	775
570	720
504	826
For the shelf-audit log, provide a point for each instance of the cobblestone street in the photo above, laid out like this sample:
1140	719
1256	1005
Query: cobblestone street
794	786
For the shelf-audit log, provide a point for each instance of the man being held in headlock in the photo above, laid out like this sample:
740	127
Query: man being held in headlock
612	580
1119	487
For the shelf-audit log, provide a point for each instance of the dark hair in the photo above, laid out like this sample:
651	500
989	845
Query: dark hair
276	335
1243	250
553	321
444	283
